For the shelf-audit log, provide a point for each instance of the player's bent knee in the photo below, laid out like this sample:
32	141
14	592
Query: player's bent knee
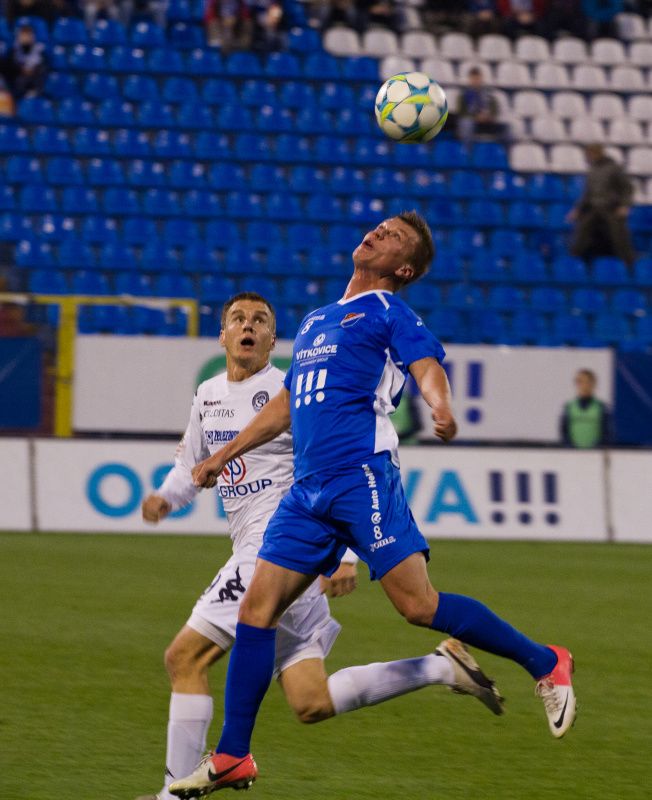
419	613
181	662
310	713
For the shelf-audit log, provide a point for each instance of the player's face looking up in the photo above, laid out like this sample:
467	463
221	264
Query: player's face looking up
248	334
388	250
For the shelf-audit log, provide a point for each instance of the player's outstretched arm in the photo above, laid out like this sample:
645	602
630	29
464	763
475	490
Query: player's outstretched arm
433	384
270	422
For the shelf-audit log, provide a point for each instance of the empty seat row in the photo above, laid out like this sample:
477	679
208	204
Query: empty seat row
569	158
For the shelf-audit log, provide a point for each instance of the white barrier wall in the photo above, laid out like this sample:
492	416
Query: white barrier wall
15	495
145	384
471	493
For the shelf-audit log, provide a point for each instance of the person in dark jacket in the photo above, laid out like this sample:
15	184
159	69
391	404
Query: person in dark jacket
585	421
600	215
477	109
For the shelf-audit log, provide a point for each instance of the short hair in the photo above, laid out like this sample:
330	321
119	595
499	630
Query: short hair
589	373
424	250
257	298
474	71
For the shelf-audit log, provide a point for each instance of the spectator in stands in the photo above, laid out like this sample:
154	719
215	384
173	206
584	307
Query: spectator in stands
564	16
228	24
134	10
521	16
477	109
7	105
268	32
325	13
25	67
481	18
28	8
387	13
100	9
601	16
585	421
600	215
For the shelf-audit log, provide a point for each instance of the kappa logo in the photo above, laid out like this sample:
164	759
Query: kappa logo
259	400
231	589
351	319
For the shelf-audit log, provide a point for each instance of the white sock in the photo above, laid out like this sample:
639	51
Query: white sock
190	716
355	687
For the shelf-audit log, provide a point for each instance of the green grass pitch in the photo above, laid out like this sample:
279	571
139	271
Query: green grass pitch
85	620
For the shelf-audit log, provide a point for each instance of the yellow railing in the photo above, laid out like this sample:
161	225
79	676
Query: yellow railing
67	330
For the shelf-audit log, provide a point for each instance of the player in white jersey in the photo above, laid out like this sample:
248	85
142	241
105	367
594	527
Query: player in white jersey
251	489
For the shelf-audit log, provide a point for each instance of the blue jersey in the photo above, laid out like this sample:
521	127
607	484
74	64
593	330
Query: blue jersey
349	366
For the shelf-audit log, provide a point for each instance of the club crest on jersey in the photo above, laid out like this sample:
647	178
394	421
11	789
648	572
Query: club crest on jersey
350	319
259	400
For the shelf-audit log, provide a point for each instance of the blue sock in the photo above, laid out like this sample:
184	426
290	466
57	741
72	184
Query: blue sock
250	672
473	623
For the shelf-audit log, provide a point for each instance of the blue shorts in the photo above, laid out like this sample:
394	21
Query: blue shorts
362	507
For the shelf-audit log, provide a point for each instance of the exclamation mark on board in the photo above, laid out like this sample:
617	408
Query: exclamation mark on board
496	495
474	381
550	496
523	495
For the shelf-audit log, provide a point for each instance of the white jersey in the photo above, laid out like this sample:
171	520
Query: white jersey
250	486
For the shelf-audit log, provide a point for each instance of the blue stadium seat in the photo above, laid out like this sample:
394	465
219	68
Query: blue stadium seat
140	88
179	90
161	203
234	118
293	95
146	173
267	178
138	231
73	111
33	255
244	205
371	152
7	198
569	270
108	33
304	180
548	300
61	84
115	256
225	176
187	175
643	331
196	116
153	114
98	86
364	210
91	142
262	235
629	301
448	267
294	149
202	204
321	66
36	110
198	257
608	271
47	281
273	120
524	215
14	227
529	268
85	282
84	58
610	328
147	34
485	213
445	323
186	37
489	155
304	40
115	113
69	30
14	139
120	202
298	291
220	92
178	232
164	61
243	65
449	154
37	199
336	96
505	298
303	236
158	256
180	11
209	146
242	261
465	183
204	62
487	268
134	283
643	272
324	208
346	180
505	242
39	25
128	61
79	200
461	296
545	186
221	233
172	144
333	150
253	147
504	185
173	285
528	328
570	329
359	68
105	172
282	65
97	230
130	143
50	141
73	253
63	171
488	326
284	207
23	169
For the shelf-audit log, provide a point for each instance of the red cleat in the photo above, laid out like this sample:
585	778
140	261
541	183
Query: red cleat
556	691
216	771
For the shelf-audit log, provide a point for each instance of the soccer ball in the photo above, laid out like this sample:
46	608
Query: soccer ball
410	107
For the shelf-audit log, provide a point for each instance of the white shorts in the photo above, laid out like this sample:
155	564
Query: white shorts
306	630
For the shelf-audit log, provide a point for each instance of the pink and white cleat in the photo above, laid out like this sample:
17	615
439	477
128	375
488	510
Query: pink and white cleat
556	691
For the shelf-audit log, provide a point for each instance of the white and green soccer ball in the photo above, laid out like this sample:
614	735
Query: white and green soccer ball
411	107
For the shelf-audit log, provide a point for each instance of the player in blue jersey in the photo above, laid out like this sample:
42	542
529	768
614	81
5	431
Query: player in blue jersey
349	365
